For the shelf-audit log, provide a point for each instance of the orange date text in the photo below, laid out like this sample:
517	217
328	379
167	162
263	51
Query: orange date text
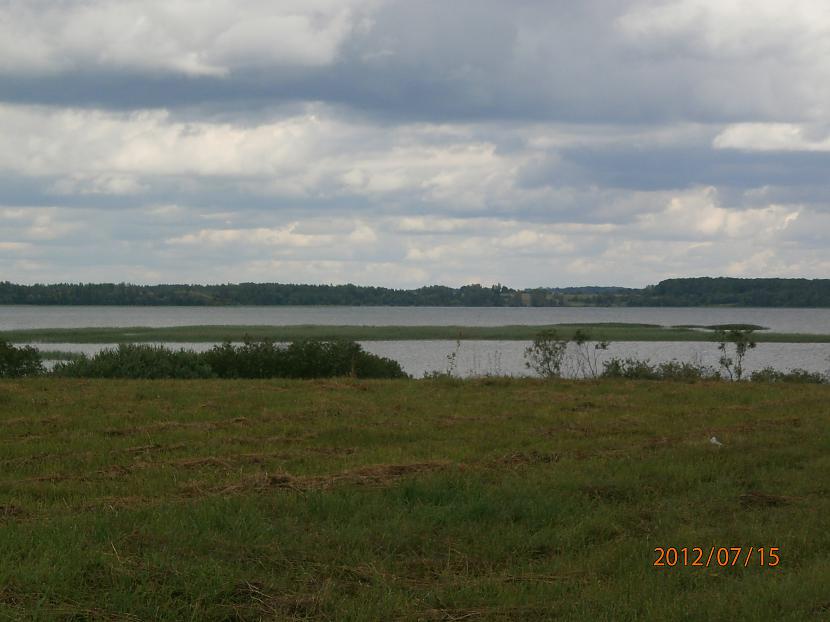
717	556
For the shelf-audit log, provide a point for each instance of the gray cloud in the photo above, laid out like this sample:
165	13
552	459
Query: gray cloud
607	141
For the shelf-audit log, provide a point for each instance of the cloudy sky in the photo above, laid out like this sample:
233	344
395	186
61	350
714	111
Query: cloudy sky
404	143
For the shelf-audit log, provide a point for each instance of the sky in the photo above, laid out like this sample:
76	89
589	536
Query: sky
400	143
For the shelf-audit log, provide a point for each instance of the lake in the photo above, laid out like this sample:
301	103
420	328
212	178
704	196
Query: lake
778	320
479	358
473	357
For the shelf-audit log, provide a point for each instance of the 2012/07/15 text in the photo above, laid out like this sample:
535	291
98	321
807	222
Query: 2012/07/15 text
717	556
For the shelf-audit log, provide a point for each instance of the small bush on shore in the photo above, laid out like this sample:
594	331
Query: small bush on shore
19	362
769	374
252	359
669	370
137	361
299	359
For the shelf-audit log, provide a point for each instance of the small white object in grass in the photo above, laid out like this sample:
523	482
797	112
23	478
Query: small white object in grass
715	441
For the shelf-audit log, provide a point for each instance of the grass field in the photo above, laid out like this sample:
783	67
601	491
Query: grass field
491	499
608	331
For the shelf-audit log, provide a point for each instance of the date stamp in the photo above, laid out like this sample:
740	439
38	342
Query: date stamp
717	556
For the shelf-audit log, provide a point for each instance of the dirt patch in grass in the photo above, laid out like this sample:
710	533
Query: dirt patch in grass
761	499
760	424
11	511
523	458
255	598
175	425
375	475
144	448
606	493
34	421
194	463
486	613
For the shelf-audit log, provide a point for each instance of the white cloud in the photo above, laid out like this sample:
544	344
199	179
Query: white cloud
724	29
314	152
401	143
37	224
774	137
431	224
191	37
363	234
260	236
14	246
537	242
697	214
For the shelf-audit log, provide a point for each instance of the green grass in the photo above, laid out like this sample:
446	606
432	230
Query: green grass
493	499
608	331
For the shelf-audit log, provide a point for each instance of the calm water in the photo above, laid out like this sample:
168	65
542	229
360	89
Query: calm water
477	358
779	320
473	357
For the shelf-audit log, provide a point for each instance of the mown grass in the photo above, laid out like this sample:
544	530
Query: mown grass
493	499
185	334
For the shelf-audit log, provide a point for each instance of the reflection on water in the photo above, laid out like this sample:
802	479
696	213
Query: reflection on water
477	358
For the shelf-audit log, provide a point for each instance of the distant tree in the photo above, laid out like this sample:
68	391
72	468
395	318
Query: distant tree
546	353
588	354
549	353
742	341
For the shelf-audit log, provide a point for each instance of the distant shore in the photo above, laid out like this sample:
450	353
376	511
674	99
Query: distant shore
678	292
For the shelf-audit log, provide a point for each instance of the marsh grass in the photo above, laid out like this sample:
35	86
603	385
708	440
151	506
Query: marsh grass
183	334
490	499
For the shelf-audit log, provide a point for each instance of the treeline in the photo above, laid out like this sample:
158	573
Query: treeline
695	292
722	291
687	292
255	294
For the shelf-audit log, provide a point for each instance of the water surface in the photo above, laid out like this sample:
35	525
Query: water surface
15	317
479	358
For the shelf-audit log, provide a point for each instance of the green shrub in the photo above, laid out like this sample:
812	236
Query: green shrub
684	370
324	359
742	341
629	368
251	359
546	354
18	362
367	365
768	374
137	361
669	370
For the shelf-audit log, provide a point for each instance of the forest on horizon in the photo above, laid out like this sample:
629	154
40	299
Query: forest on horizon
681	292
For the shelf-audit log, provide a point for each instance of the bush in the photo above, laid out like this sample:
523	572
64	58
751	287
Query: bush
137	361
367	365
300	359
742	341
252	359
546	353
323	359
549	352
18	362
768	374
629	368
683	370
668	370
